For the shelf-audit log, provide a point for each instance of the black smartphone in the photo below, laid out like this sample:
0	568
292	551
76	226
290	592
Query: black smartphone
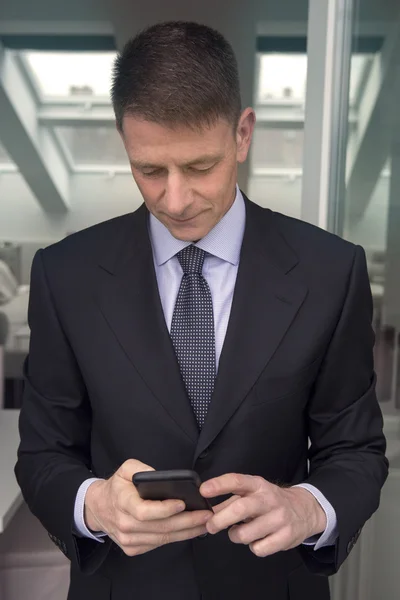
171	485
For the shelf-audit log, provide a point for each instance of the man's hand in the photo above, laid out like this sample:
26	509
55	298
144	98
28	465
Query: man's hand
114	507
274	518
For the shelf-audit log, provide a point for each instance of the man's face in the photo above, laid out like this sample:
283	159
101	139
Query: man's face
187	177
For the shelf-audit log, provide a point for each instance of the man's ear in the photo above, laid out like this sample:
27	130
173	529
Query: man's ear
244	133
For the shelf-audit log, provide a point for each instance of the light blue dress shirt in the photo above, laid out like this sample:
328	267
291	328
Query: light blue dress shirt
222	244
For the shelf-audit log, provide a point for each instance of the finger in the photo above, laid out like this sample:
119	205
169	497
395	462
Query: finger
256	529
153	510
188	534
185	520
271	544
239	510
132	466
131	550
218	507
231	483
156	540
129	502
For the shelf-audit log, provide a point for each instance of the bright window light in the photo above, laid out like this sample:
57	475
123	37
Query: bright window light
282	77
69	74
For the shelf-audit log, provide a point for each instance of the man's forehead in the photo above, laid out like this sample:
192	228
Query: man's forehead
149	143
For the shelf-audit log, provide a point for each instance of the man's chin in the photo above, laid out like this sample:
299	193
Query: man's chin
187	234
188	231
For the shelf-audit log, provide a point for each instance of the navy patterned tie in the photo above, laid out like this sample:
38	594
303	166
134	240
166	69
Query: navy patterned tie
192	332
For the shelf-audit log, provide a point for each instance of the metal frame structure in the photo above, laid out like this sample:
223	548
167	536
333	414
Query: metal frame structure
328	84
50	113
326	117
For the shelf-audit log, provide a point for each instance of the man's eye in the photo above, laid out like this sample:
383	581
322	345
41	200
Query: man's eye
153	173
197	170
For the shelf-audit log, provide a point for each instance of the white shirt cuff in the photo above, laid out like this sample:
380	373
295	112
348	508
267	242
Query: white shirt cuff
79	519
330	535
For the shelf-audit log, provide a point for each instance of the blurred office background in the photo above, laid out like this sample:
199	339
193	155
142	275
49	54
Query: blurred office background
324	78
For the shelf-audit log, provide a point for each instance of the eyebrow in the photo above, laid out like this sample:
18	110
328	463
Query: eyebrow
201	160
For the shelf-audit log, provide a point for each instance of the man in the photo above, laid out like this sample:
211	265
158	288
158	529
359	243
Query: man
200	332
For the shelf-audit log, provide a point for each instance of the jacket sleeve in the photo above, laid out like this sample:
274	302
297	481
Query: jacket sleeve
55	427
347	451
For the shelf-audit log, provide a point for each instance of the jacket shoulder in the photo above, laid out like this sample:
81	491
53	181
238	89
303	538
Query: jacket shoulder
85	246
310	241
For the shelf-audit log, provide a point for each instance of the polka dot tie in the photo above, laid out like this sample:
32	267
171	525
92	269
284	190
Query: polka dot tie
192	332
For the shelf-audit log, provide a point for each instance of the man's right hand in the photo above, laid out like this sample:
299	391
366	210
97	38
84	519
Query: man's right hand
114	507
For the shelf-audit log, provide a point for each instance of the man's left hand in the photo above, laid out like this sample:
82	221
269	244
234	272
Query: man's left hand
264	516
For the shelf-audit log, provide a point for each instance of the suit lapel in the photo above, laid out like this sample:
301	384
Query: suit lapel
129	300
265	302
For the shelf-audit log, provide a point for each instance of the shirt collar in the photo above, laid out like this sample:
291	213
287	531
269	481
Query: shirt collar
223	241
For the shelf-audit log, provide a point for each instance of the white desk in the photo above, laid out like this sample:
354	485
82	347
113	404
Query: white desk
10	494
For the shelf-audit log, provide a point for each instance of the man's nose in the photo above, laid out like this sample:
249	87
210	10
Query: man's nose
177	195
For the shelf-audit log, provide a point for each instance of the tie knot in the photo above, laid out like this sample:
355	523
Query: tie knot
191	259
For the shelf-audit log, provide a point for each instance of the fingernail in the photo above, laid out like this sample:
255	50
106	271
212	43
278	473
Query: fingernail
180	507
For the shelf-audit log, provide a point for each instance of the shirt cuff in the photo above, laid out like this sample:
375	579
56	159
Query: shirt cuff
330	535
79	519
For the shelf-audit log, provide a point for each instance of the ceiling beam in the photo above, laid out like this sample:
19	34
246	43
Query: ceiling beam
75	115
61	27
31	146
273	28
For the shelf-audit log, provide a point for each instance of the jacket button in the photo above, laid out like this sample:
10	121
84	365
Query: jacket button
204	454
349	547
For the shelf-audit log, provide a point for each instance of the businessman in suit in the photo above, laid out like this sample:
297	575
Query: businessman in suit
199	332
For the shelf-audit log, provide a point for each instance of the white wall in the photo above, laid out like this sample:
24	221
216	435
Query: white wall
94	198
279	194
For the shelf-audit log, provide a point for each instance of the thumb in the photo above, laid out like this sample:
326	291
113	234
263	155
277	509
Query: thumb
132	466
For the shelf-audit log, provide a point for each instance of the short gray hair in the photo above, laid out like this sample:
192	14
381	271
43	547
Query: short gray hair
177	73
